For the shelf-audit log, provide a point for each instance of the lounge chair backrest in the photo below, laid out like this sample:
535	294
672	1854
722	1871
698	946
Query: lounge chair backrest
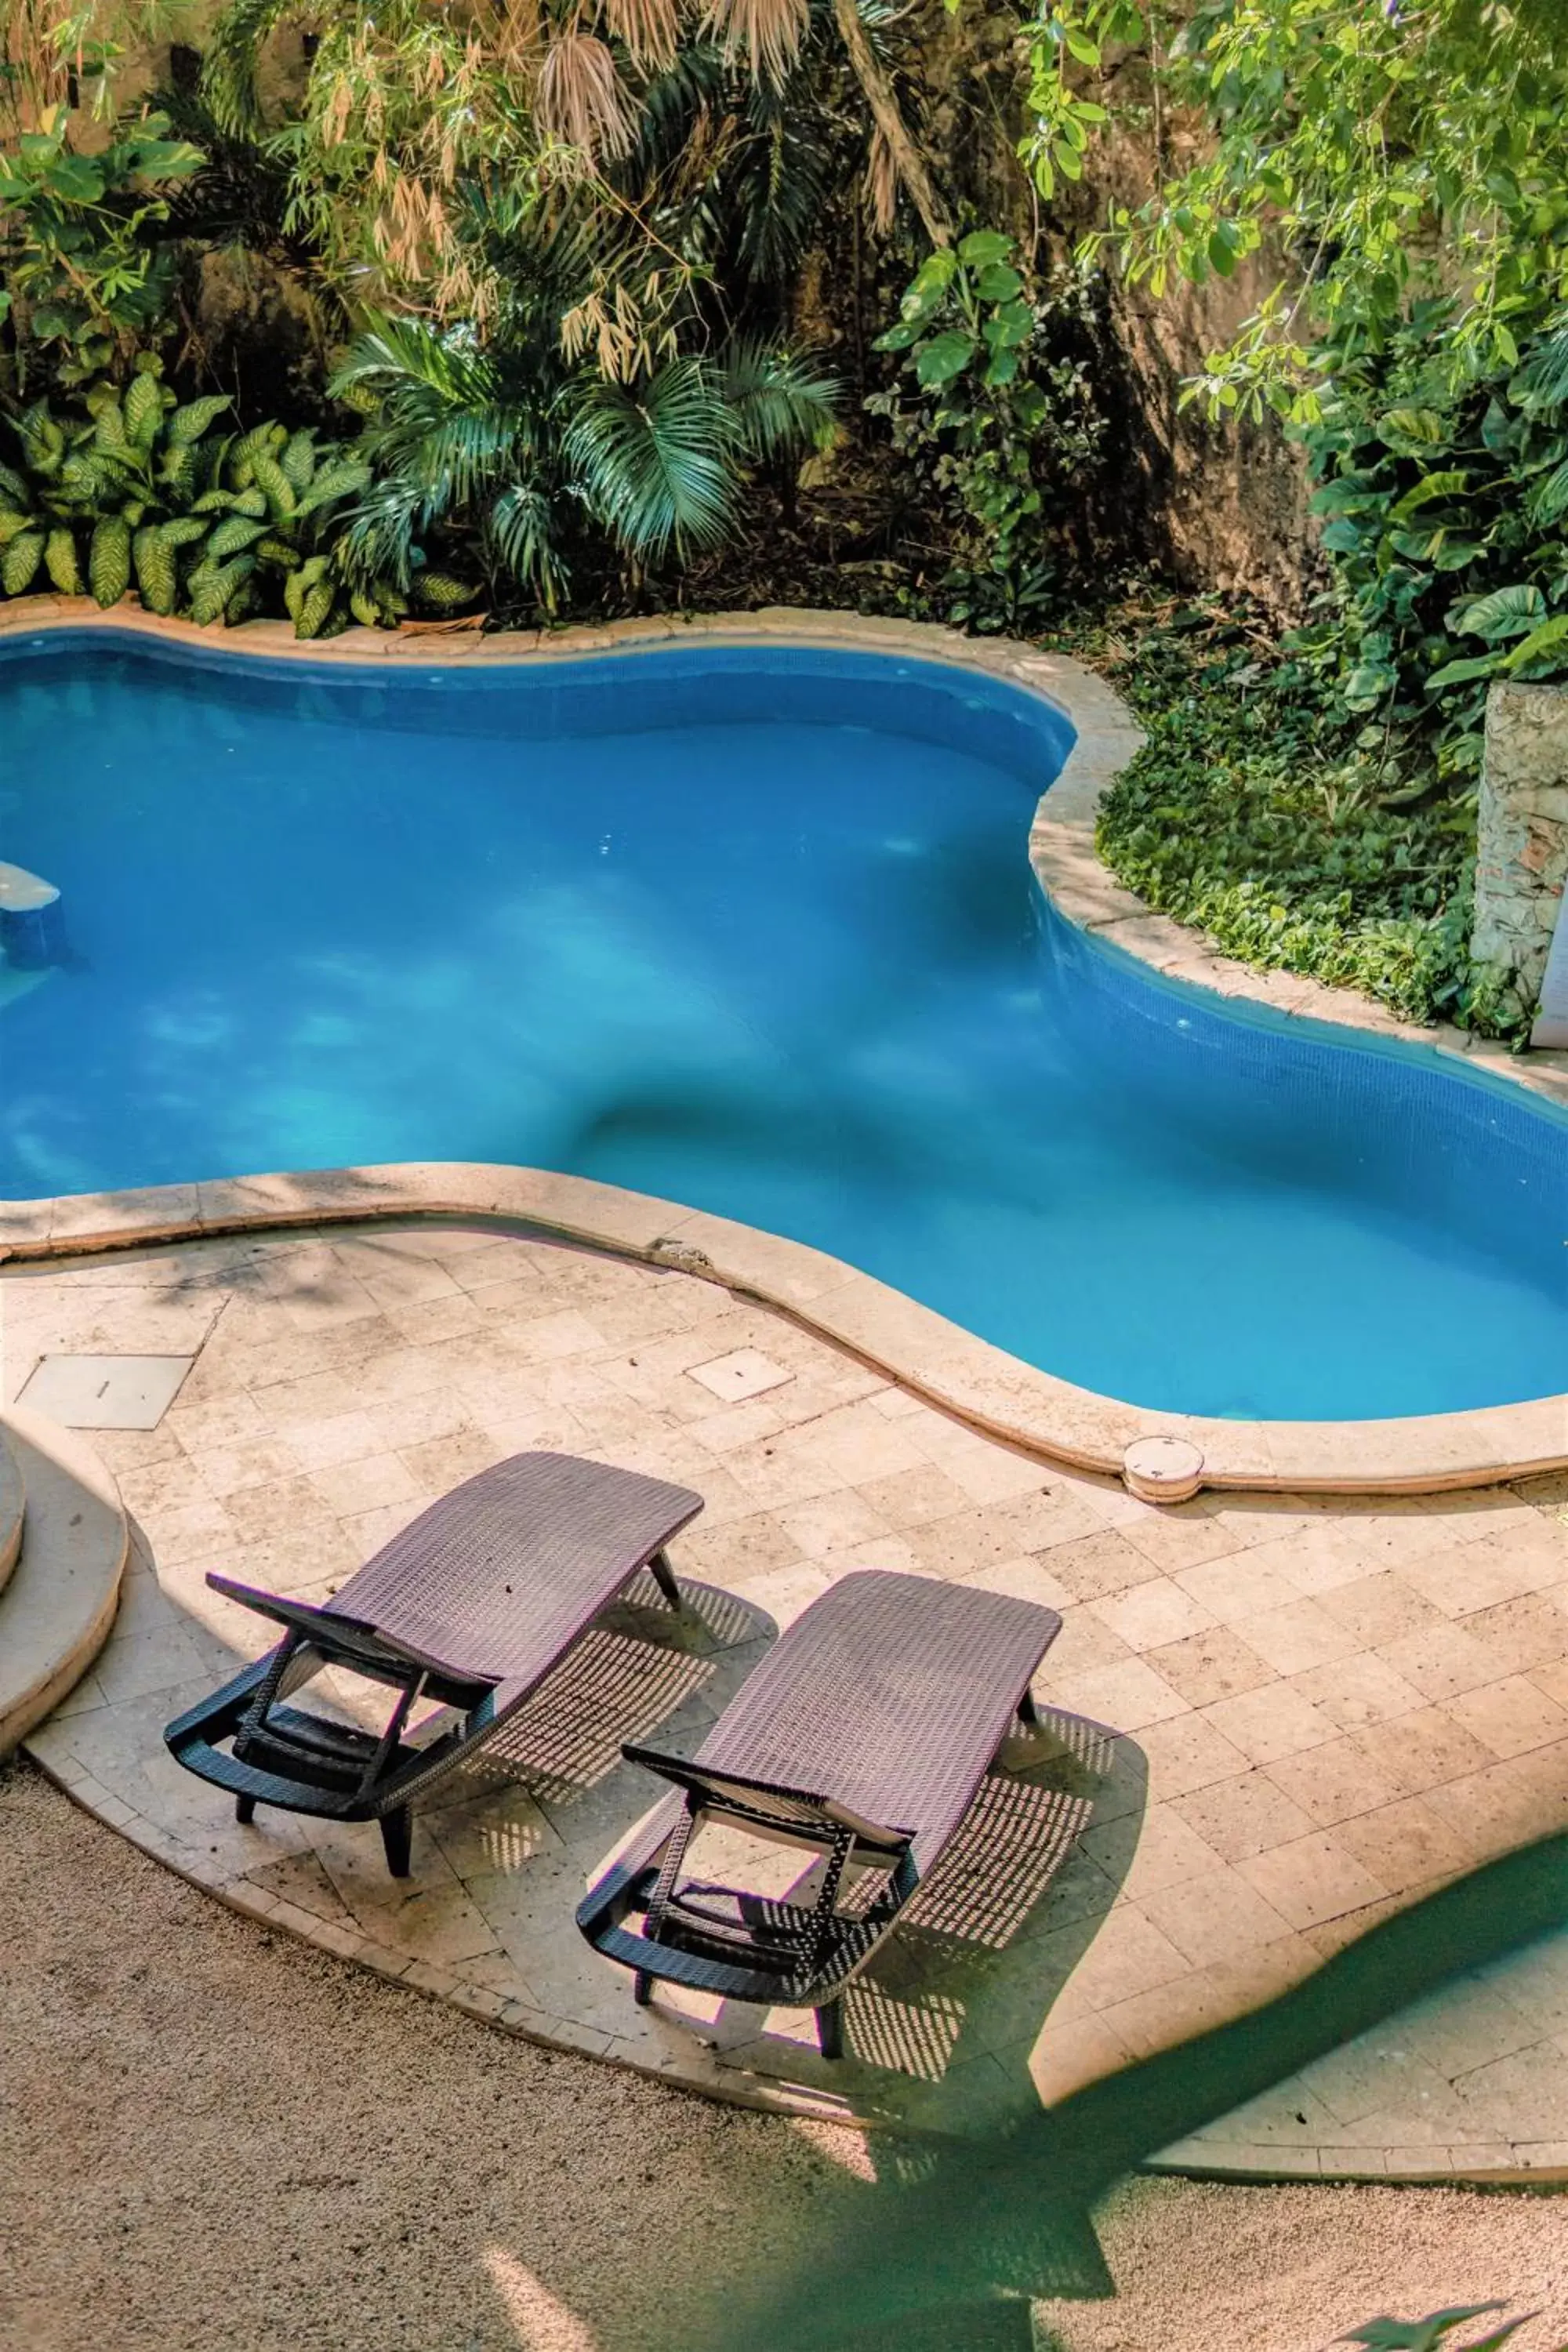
764	1805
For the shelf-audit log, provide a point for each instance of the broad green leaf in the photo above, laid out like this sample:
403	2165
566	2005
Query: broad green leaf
1446	485
978	250
942	359
1458	673
1550	634
998	283
1510	612
1413	424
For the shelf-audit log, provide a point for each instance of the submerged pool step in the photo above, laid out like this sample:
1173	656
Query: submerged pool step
58	1604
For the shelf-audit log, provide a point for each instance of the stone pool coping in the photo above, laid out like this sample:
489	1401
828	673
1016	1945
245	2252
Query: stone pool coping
966	1376
952	1368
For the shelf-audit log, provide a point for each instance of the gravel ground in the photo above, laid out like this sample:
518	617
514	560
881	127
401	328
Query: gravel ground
212	2138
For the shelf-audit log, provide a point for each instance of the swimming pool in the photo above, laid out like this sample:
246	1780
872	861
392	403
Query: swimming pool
752	929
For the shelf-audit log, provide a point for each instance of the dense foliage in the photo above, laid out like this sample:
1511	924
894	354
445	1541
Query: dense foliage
1252	814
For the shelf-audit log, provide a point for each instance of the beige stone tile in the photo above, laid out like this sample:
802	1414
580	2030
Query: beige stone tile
914	1496
1188	1752
1295	1638
1245	1815
1215	1916
778	1472
136	1663
1129	1955
1269	1723
1186	1535
193	1530
859	1442
985	1473
1148	1615
1404	1844
440	1464
1441	1660
1530	1631
1027	1578
1380	1608
735	1552
1421	1751
1359	1690
228	1421
1505	1805
1066	2057
1126	1694
735	1425
1475	1576
1313	1879
1236	1587
168	1485
831	1522
226	1470
350	1489
1166	1851
1210	1665
1084	1640
1509	1716
1092	1567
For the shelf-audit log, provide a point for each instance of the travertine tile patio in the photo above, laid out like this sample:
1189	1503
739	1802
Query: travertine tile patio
1271	1719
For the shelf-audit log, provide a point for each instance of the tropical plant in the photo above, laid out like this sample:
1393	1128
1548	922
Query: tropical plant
1427	2335
989	410
1466	102
503	439
135	486
1444	497
1254	813
76	252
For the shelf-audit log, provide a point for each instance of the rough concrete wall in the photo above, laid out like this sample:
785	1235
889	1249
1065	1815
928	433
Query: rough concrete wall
1521	846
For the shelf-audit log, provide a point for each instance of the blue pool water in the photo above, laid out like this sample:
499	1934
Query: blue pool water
755	931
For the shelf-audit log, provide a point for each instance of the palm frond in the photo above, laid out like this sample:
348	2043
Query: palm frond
649	29
654	458
766	33
777	400
582	100
228	85
1545	371
520	527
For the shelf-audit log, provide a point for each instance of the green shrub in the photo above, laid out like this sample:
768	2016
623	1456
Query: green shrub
134	487
1254	813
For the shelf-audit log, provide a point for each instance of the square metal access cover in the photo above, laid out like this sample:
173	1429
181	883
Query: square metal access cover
106	1391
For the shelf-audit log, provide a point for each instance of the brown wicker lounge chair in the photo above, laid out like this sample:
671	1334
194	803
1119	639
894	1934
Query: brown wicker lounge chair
864	1734
470	1606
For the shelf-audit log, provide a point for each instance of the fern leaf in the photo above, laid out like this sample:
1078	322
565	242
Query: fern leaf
187	424
144	410
157	576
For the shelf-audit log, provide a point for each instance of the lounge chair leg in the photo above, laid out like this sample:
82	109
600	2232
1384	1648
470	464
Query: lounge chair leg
830	2029
245	1809
642	1988
1027	1711
397	1836
659	1569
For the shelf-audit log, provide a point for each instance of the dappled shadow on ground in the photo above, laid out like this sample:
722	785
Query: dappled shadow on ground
957	2239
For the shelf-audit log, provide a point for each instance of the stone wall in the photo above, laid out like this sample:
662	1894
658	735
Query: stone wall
1521	848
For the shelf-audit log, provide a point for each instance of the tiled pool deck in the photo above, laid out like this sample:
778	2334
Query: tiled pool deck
1272	1720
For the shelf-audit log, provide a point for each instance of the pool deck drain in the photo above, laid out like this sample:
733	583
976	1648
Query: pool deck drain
1272	1720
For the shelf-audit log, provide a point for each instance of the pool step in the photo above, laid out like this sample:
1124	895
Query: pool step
59	1605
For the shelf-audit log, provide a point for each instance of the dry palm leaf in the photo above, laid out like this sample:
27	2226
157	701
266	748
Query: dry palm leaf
649	29
768	33
583	101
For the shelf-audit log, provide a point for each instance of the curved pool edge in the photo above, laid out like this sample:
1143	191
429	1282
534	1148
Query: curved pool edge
968	1376
1061	841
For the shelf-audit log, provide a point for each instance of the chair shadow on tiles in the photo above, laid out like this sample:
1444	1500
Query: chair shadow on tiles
938	2027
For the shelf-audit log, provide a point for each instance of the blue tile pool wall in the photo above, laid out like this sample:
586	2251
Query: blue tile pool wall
1314	1104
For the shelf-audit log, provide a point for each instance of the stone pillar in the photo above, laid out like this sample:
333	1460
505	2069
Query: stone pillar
1521	838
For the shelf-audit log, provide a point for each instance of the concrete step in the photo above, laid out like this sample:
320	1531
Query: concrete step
57	1609
13	1501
